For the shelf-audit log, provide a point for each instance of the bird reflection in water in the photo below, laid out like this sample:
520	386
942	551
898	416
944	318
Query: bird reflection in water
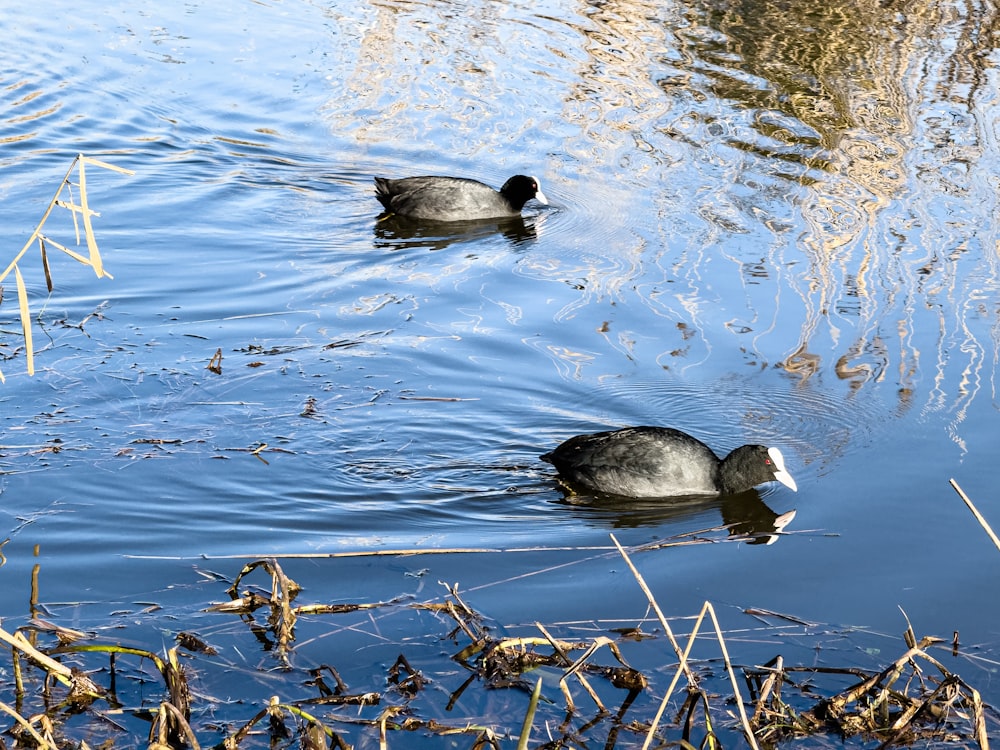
399	232
745	516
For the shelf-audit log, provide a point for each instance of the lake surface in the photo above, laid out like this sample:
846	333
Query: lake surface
772	224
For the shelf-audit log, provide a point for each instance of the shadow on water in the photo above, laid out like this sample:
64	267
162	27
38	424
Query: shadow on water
745	515
400	232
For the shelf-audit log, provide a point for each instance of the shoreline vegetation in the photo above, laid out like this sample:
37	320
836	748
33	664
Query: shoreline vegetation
580	689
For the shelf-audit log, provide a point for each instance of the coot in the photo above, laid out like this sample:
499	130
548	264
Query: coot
660	462
456	198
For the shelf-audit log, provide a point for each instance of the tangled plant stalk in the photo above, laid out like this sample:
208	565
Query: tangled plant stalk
81	213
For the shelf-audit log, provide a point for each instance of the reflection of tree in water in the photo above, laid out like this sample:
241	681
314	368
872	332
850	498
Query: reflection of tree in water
842	152
872	119
898	103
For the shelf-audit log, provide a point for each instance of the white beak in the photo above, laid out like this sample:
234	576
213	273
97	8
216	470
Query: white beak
539	195
779	469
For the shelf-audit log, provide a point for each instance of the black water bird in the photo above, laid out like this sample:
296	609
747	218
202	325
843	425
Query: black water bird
662	462
456	198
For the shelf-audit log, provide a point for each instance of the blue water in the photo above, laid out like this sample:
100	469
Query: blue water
788	239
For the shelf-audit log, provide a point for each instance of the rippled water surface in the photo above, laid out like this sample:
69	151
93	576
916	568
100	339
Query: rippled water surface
766	224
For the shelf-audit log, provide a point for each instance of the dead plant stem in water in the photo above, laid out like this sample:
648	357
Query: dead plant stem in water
975	511
898	704
684	655
81	211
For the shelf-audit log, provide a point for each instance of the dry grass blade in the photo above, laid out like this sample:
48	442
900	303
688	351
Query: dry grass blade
88	228
529	716
22	301
65	635
105	165
70	252
45	264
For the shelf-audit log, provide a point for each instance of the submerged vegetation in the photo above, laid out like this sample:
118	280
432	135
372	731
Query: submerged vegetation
551	685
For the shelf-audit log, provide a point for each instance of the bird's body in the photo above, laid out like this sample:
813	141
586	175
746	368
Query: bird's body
433	198
662	462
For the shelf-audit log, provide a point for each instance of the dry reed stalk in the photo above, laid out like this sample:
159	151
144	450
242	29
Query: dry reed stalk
979	720
685	539
43	742
706	608
692	680
573	668
897	703
772	684
282	616
737	695
55	668
215	363
892	705
93	258
976	513
313	737
171	726
684	665
174	713
389	713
